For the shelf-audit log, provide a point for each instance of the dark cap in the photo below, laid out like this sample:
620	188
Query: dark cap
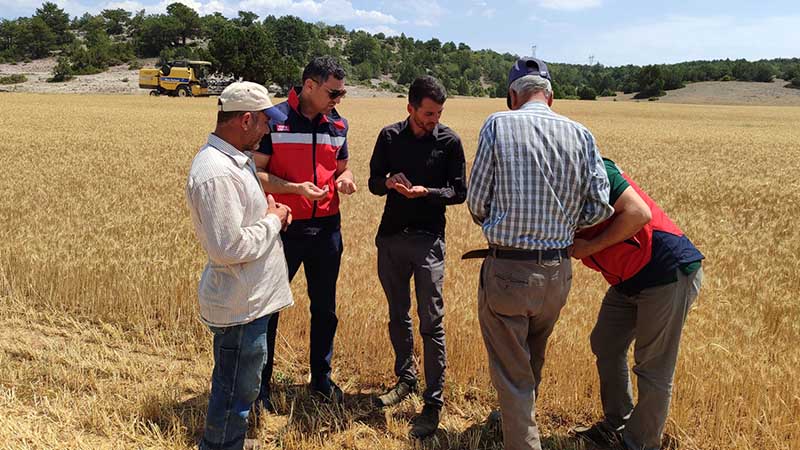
527	66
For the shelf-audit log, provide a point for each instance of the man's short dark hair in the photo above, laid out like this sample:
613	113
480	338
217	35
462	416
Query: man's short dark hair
426	87
321	68
224	116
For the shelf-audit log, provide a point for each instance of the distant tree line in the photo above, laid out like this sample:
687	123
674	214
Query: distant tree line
274	50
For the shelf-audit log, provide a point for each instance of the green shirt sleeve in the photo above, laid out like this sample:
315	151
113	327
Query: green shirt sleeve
618	182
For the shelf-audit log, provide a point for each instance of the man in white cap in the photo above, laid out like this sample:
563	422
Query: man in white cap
245	280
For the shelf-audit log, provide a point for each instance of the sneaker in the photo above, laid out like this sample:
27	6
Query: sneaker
334	394
599	435
426	423
395	395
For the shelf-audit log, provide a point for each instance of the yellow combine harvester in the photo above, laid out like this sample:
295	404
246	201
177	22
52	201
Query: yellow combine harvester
177	78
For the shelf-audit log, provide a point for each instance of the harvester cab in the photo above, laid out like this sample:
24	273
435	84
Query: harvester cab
177	78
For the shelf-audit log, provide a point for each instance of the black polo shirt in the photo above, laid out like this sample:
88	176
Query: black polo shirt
435	161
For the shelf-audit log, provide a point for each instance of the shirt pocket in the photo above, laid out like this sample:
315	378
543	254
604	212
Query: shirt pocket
436	160
514	289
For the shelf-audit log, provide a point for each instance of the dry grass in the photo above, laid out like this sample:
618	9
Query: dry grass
100	346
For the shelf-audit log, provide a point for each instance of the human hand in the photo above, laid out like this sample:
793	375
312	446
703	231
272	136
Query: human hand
411	192
288	215
346	186
311	191
398	178
581	248
283	212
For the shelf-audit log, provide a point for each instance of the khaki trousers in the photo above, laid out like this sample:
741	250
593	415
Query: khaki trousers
654	319
518	305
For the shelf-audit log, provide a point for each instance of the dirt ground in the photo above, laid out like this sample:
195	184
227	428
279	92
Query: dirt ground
120	80
116	80
726	93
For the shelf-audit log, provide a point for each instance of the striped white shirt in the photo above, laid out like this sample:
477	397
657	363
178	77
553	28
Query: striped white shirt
537	177
246	275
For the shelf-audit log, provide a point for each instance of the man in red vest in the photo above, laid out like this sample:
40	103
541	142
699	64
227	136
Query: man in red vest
303	164
655	275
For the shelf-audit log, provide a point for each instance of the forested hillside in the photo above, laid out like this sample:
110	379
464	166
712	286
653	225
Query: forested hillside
274	50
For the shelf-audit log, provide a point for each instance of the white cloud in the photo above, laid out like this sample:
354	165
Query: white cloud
128	5
569	5
215	6
329	11
18	5
422	13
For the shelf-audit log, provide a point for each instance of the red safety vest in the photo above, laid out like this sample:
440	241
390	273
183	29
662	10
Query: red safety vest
302	151
625	259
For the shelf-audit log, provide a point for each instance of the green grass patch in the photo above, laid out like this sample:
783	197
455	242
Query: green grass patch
13	79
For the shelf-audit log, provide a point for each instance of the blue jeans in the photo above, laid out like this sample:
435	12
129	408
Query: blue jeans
240	353
320	254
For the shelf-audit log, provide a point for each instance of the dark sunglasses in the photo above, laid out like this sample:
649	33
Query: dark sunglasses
332	93
336	93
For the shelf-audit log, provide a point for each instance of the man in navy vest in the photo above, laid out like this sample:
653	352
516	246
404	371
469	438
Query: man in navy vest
655	275
303	164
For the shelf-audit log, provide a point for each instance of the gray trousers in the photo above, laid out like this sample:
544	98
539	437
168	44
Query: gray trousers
518	305
654	318
422	255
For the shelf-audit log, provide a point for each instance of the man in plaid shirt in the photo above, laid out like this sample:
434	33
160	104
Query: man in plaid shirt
536	179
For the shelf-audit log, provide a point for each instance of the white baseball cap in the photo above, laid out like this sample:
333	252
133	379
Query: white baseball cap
248	96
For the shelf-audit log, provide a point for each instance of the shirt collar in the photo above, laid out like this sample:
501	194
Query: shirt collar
223	146
294	103
407	127
534	104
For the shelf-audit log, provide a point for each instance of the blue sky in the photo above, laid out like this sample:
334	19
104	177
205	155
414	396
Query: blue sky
614	32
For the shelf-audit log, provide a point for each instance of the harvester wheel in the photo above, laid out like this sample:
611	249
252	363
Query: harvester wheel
184	91
154	93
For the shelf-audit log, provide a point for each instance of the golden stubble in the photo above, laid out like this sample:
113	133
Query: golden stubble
101	346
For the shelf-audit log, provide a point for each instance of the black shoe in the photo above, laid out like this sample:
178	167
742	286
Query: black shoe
495	420
395	395
600	435
333	394
426	423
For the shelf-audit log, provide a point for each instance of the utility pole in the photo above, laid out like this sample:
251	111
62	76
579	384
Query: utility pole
591	60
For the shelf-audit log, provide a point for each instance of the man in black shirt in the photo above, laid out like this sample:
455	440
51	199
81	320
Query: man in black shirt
419	165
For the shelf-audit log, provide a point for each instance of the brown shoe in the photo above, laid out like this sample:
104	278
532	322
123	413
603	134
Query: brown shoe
395	395
426	423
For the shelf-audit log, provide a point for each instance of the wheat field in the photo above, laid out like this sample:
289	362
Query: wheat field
101	347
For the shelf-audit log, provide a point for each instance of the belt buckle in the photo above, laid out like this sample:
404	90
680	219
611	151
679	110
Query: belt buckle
555	260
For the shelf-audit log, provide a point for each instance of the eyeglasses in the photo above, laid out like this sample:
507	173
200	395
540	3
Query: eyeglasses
332	93
336	93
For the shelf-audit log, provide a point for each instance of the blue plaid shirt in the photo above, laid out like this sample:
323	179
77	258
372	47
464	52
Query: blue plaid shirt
537	177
